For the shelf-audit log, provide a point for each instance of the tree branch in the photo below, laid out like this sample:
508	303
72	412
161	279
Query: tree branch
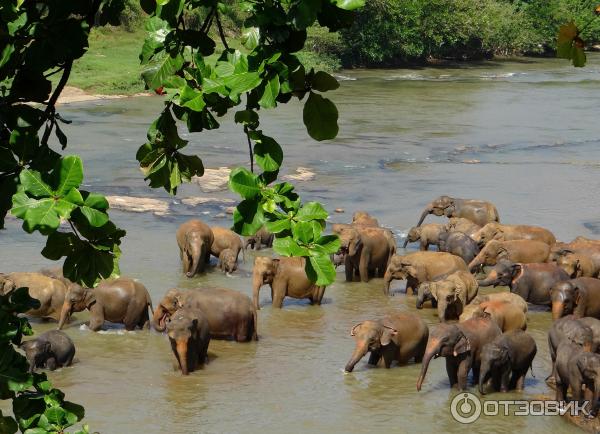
221	34
53	99
250	149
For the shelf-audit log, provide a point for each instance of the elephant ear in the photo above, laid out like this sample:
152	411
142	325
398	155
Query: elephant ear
577	295
276	262
578	268
387	334
433	290
462	346
353	330
460	292
502	254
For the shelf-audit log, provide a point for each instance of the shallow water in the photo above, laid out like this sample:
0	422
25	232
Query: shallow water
523	134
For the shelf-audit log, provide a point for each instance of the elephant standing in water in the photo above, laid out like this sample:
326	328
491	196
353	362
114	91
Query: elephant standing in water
580	297
451	293
195	239
230	314
478	211
225	239
524	251
50	292
366	249
499	232
52	349
426	235
189	335
262	238
400	336
123	300
458	224
363	218
509	316
287	278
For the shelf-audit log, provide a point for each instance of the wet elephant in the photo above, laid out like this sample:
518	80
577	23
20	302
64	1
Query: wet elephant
524	251
227	261
122	300
580	297
363	218
451	293
50	350
532	282
226	239
50	292
508	316
366	249
466	226
397	337
461	345
505	361
262	238
578	265
420	267
287	278
500	232
426	235
230	314
194	239
189	336
509	297
458	244
478	211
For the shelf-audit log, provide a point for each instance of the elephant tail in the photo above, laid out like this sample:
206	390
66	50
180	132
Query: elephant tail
149	304
531	369
255	328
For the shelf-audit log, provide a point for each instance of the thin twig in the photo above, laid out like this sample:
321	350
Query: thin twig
74	230
250	149
207	21
221	34
49	113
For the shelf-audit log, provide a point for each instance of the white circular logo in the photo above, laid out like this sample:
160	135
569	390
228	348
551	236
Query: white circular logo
465	408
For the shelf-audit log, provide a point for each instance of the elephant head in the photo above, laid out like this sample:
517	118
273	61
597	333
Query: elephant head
502	274
564	296
414	234
351	241
36	352
494	358
446	340
364	218
228	260
491	231
588	365
443	205
425	292
170	303
399	268
493	252
449	293
264	272
77	299
572	263
182	329
6	284
369	336
195	248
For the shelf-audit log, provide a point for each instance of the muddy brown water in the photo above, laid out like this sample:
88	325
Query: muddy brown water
523	134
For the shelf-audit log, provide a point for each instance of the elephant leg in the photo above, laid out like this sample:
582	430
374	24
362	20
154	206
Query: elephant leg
463	372
51	363
278	296
452	370
363	266
476	367
423	245
349	270
96	322
374	358
133	317
519	380
184	261
258	244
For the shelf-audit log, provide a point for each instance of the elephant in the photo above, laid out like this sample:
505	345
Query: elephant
509	297
57	273
499	232
363	218
578	265
466	226
576	367
506	360
189	335
226	239
581	247
451	293
287	277
50	292
478	211
532	282
399	336
366	249
230	314
580	297
524	251
420	267
461	345
195	239
121	300
50	350
458	244
261	238
227	261
509	316
426	235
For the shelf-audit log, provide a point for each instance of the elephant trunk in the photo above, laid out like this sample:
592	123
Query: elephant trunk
558	307
475	263
487	282
257	282
484	375
433	349
387	280
441	309
426	212
65	313
182	355
159	318
420	300
359	352
195	251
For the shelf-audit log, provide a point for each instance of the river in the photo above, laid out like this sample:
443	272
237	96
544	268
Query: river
523	134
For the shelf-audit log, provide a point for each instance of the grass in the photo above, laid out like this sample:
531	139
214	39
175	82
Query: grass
112	67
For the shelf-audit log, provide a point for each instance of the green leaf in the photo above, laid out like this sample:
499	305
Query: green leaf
330	243
250	37
192	99
278	226
248	217
320	270
241	83
268	153
268	97
94	217
349	5
320	116
566	35
247	117
32	183
244	182
158	74
95	200
287	246
70	174
303	231
311	211
324	82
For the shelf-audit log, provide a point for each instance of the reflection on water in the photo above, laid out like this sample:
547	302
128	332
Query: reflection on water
406	136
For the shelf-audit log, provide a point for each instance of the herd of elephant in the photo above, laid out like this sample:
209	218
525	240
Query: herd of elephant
479	334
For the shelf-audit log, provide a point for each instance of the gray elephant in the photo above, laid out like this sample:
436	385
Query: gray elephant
50	350
195	239
496	231
226	239
189	334
122	300
227	261
524	251
262	238
427	235
398	337
367	250
580	297
458	244
505	361
287	278
578	264
478	211
451	294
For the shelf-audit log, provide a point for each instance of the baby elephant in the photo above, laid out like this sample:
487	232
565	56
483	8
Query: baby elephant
227	261
189	335
49	350
450	294
505	361
400	336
